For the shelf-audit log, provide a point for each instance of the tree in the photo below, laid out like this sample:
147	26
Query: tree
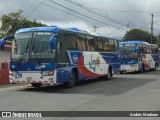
138	34
14	21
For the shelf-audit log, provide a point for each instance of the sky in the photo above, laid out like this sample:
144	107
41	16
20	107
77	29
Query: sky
112	18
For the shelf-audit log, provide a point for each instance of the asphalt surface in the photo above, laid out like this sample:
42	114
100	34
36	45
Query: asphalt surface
124	92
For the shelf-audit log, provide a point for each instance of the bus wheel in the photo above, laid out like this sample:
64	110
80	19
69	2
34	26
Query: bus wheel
109	75
143	68
72	81
36	84
121	72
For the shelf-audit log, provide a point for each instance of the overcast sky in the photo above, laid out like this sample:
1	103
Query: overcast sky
111	17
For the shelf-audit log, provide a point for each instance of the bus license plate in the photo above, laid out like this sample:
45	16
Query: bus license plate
28	78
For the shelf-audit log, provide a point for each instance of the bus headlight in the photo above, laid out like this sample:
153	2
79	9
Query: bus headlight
13	73
47	73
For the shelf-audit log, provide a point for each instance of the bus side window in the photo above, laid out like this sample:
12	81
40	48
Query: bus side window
69	41
90	43
156	50
116	45
59	43
82	42
144	48
98	44
61	55
78	45
140	48
111	45
149	49
152	50
105	44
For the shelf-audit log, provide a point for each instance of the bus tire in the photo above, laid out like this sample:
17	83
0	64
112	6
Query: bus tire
109	75
143	68
121	72
36	85
72	81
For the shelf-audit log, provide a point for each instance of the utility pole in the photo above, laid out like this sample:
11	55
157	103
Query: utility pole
95	27
151	28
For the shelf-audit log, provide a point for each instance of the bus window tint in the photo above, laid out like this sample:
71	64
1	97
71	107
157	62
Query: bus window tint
90	43
111	45
130	51
141	50
116	44
69	41
98	44
145	48
59	43
154	49
82	43
122	50
149	49
105	44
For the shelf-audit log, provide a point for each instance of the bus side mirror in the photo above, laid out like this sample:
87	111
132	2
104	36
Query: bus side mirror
53	42
3	41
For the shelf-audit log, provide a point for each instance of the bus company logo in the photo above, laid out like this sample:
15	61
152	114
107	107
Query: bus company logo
75	58
94	62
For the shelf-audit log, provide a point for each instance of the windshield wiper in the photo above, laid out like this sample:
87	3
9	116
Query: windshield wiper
24	53
40	58
35	51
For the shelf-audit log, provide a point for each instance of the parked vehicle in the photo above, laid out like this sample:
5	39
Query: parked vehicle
138	56
53	55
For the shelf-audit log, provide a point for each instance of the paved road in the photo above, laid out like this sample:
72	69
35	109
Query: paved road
125	92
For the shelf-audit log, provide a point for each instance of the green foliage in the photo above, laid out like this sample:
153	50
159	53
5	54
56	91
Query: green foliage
14	21
138	34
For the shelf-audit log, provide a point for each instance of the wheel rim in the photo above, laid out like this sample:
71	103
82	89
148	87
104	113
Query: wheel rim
72	79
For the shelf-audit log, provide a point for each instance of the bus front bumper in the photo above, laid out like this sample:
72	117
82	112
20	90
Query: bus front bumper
34	77
129	68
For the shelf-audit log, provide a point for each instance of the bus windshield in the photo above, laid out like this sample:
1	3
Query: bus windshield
128	51
32	47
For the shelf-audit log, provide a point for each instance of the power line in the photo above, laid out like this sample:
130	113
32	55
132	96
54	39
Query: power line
114	32
127	11
71	13
81	5
104	2
35	9
63	11
93	12
84	15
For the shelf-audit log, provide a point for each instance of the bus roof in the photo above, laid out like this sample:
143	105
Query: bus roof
133	42
54	29
154	45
